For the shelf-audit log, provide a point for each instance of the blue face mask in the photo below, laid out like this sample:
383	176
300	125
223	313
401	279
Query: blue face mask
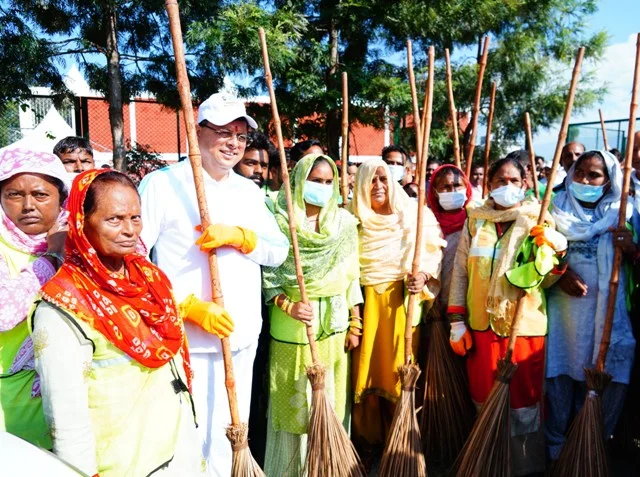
587	193
507	196
317	194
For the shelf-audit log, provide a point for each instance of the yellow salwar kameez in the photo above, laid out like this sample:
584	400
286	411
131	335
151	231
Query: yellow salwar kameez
386	246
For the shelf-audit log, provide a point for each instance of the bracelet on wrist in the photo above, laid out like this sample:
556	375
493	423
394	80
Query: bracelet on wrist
355	331
355	324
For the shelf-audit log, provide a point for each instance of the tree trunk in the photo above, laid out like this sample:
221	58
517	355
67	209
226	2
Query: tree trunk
334	120
114	80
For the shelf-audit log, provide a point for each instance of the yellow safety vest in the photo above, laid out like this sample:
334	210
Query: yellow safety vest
484	249
135	410
20	414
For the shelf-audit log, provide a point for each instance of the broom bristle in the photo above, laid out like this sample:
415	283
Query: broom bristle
330	452
243	465
487	452
584	454
403	456
448	412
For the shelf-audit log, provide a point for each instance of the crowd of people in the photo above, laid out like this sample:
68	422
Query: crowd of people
110	350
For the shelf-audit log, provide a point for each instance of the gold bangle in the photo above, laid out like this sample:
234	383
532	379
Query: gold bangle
355	331
356	324
354	317
289	308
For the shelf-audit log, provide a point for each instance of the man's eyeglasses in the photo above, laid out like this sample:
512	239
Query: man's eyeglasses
225	134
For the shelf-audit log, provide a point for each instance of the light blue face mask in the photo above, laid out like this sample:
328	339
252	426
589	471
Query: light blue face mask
397	172
586	192
507	196
317	194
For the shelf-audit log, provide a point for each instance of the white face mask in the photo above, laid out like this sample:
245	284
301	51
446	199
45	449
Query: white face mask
507	196
397	172
452	200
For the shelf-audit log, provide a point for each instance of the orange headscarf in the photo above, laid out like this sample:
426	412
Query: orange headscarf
137	314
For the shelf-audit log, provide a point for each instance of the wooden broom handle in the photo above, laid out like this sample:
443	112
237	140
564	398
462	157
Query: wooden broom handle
416	112
622	219
196	164
287	191
532	155
452	111
345	140
487	147
415	266
562	136
604	131
476	105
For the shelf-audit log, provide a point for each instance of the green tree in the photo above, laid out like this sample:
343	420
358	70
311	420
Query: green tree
534	42
124	48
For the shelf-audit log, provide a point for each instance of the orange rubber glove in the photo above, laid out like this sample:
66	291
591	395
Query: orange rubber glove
209	316
545	235
219	235
460	338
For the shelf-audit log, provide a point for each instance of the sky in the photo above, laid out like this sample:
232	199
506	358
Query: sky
621	20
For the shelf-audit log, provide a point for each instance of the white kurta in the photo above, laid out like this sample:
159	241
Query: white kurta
169	216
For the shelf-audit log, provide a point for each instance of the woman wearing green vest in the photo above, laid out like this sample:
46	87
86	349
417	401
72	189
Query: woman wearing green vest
482	305
328	241
33	187
110	345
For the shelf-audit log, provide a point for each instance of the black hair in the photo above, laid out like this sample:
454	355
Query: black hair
496	166
110	177
300	147
71	144
62	190
618	154
521	156
446	171
319	160
260	142
590	155
433	160
395	148
477	165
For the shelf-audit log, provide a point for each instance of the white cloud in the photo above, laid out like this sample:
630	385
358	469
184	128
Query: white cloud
615	70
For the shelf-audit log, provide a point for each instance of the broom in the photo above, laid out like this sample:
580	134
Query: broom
452	110
476	106
344	184
448	412
243	464
584	453
487	451
402	454
604	131
330	452
487	145
532	155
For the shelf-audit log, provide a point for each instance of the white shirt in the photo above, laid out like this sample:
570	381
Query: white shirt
170	215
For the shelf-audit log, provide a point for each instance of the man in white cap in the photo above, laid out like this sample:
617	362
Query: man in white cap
245	235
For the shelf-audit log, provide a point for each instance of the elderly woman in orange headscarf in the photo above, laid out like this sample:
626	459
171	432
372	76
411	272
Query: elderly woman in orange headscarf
387	234
110	345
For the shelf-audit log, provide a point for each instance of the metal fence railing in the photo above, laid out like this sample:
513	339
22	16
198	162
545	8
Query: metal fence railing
590	134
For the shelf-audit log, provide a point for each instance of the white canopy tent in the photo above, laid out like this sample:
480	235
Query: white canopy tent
45	135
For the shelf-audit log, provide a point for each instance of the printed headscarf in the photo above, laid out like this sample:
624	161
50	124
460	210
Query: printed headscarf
450	220
330	256
19	161
137	314
387	241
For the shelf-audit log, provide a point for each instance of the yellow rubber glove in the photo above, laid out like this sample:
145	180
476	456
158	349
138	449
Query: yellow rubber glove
219	235
460	338
209	316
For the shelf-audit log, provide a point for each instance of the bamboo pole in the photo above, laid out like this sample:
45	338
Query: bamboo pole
345	139
532	155
487	146
416	111
604	131
424	107
452	111
562	134
243	463
617	258
476	106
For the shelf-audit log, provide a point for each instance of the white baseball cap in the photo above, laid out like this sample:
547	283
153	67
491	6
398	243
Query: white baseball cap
221	109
